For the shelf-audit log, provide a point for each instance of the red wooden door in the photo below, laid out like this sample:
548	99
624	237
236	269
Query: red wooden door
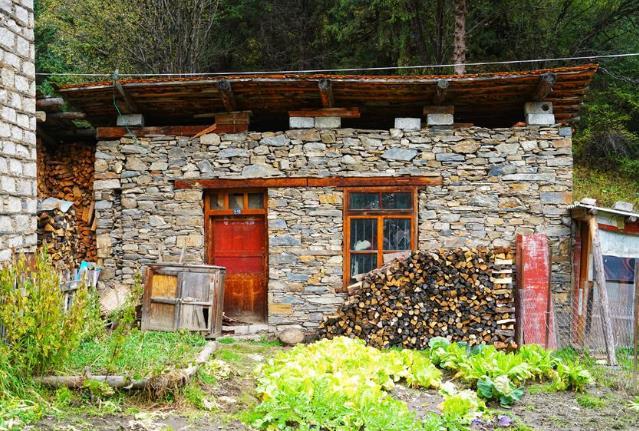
238	243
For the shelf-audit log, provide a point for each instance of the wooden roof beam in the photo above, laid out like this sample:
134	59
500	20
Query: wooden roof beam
228	97
544	86
50	104
326	93
327	112
440	91
129	104
108	133
68	115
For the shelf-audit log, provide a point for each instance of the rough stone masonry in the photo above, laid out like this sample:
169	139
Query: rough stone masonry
496	182
18	199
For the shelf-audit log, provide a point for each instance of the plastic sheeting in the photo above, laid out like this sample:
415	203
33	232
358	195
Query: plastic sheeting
618	244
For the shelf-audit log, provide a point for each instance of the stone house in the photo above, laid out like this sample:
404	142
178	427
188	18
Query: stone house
305	181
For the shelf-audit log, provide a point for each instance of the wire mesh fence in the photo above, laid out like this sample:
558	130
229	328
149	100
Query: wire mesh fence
579	325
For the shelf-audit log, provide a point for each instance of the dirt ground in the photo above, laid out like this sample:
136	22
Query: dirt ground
233	392
562	411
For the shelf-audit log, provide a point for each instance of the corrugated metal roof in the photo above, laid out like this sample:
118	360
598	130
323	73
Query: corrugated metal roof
598	209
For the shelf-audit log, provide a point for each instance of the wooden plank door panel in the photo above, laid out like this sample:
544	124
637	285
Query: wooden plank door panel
196	288
239	244
162	315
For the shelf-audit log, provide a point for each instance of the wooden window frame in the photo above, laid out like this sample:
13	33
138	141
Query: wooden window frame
208	211
380	215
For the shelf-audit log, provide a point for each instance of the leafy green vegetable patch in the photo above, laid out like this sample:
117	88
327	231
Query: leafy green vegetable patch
342	384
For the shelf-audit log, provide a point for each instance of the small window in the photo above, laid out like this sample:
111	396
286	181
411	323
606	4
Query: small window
396	234
363	201
363	234
217	201
397	201
378	223
236	202
362	263
255	200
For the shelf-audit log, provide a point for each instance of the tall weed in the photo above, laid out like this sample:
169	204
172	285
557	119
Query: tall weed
38	333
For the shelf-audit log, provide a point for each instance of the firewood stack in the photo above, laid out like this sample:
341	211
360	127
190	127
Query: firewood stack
57	229
66	172
462	294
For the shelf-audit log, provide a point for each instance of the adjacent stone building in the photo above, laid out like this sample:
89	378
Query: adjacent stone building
306	181
17	129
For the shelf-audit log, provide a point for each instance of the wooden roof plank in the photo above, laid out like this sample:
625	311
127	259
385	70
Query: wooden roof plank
168	100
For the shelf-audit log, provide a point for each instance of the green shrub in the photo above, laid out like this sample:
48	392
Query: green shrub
38	333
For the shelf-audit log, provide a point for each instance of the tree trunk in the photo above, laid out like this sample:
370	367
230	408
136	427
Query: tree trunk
459	48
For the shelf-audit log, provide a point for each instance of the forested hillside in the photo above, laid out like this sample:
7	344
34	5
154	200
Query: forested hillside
159	36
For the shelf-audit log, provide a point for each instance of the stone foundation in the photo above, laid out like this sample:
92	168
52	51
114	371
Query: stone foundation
18	199
495	183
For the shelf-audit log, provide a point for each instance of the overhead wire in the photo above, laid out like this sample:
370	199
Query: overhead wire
352	69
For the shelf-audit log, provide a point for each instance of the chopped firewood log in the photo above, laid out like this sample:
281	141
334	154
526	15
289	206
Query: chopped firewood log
66	172
461	294
58	231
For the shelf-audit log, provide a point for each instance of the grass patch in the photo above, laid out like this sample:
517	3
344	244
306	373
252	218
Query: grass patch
606	187
228	356
590	401
542	388
141	354
196	397
227	340
266	342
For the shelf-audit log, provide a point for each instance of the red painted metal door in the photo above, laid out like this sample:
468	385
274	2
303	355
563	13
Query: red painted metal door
238	243
535	313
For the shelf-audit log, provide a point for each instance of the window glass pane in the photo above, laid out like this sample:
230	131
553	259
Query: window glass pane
397	201
255	200
363	234
362	263
217	201
396	234
236	201
364	201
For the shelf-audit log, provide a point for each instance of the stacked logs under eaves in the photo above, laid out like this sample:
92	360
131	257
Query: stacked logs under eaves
462	294
57	229
65	172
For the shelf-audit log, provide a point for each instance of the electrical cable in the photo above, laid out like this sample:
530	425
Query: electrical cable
356	69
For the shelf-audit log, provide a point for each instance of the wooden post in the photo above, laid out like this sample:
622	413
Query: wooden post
600	280
636	325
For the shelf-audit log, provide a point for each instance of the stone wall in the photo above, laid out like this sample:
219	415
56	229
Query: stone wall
496	182
305	254
18	200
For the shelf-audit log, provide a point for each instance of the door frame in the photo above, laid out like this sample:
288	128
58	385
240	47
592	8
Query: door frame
211	214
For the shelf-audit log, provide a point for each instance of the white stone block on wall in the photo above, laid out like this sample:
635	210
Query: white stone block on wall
131	120
540	119
538	108
408	123
301	122
328	122
440	119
